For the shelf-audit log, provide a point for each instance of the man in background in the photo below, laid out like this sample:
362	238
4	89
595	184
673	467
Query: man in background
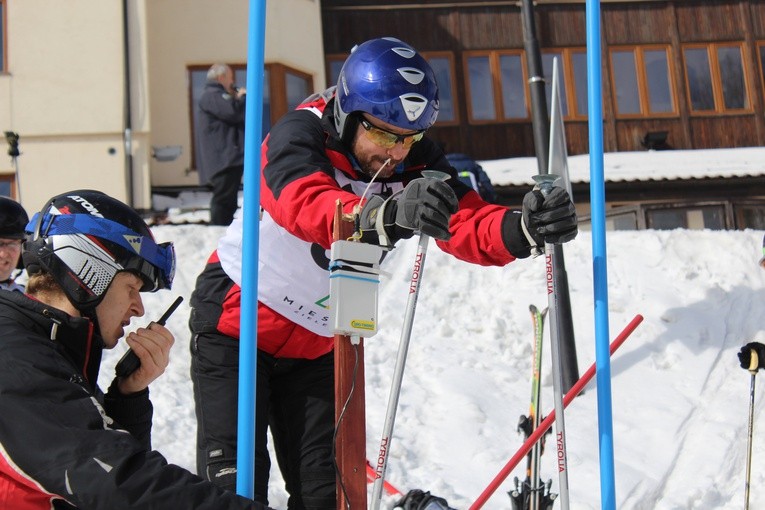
220	139
13	219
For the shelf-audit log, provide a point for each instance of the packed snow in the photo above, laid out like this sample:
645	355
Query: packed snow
680	399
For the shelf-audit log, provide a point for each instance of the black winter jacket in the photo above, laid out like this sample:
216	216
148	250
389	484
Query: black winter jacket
63	443
219	131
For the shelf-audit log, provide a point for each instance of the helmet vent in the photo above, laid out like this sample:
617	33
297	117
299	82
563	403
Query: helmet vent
414	105
411	74
404	52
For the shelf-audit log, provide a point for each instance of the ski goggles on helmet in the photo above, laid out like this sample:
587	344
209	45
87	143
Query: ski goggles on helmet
388	139
154	263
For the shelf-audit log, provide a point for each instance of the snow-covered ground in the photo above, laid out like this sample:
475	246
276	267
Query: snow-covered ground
680	400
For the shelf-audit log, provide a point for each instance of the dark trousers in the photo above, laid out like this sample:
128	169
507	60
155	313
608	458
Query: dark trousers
294	396
225	191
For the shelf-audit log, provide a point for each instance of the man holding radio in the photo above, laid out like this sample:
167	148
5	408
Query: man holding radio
65	444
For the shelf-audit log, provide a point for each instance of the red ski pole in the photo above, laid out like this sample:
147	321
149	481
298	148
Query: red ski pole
575	390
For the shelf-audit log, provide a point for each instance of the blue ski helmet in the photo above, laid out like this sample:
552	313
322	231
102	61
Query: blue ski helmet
389	80
84	238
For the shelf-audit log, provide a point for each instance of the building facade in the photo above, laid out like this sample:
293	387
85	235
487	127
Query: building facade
683	74
101	93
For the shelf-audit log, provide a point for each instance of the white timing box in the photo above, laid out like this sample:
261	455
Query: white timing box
354	281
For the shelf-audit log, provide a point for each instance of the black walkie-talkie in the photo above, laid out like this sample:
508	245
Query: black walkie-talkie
129	362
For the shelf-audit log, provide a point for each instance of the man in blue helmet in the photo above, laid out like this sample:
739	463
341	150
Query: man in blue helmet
65	444
364	138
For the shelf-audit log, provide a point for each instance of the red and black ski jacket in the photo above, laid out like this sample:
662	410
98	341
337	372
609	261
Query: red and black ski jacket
305	170
63	443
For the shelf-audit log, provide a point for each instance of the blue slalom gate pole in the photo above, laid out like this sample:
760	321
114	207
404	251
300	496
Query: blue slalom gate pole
600	277
245	447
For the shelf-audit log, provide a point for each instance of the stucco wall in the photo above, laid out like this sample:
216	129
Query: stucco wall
64	89
63	95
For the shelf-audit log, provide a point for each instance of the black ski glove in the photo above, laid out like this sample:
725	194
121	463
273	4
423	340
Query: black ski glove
548	219
426	204
753	351
416	499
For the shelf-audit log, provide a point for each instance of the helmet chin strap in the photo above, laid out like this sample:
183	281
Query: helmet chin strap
89	312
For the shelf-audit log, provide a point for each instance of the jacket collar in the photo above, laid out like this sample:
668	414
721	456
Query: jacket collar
75	335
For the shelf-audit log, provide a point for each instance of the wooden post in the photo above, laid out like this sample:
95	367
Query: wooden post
350	445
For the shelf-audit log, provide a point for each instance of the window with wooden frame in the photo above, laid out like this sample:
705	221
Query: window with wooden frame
573	80
496	86
283	89
8	186
711	216
288	88
761	60
641	80
749	215
442	63
715	77
334	65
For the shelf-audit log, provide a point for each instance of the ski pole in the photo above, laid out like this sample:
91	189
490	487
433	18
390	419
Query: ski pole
398	373
545	182
753	367
575	390
403	347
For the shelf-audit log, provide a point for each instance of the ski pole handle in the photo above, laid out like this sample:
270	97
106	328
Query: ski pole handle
749	356
545	186
545	182
754	362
